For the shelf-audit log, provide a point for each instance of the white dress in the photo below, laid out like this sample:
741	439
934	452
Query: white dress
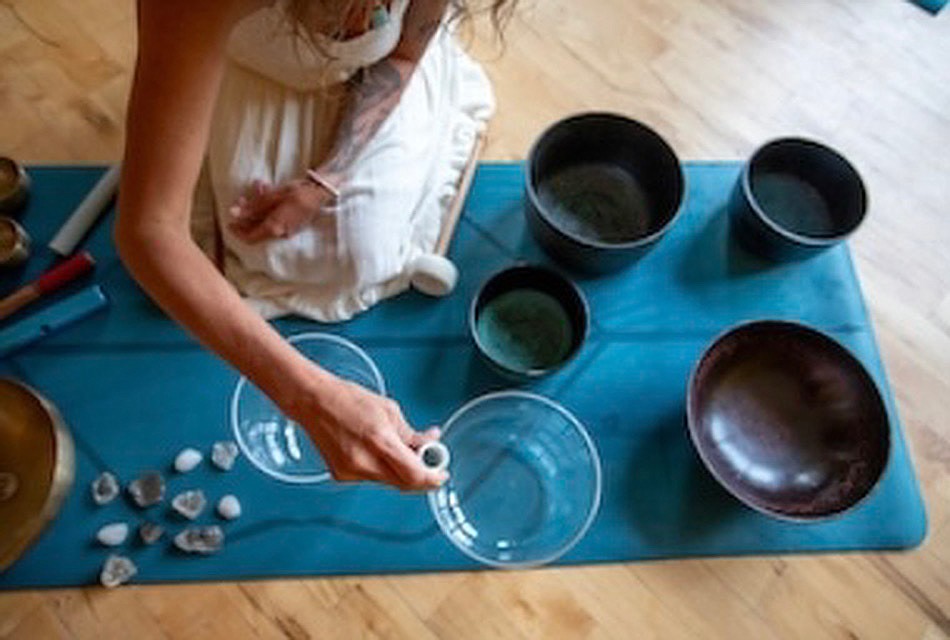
276	117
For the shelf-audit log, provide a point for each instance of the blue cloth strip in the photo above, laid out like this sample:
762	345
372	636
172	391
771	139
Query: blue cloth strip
32	328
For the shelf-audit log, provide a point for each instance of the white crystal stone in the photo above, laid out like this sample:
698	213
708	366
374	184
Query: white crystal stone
200	539
187	460
117	570
229	507
190	503
223	454
112	535
104	488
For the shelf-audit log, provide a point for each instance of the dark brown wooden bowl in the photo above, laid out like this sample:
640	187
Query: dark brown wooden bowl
788	421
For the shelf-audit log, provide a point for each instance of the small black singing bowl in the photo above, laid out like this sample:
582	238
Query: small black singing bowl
795	198
528	321
788	421
600	190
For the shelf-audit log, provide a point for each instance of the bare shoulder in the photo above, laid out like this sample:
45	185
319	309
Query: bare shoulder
195	18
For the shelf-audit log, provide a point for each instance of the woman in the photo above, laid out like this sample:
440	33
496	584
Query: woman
315	146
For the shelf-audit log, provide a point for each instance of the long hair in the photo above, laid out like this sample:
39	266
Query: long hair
330	17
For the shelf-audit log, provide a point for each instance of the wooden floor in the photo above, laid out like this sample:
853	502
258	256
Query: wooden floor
870	77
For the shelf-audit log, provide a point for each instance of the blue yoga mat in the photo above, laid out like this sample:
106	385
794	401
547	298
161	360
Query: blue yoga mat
135	390
933	6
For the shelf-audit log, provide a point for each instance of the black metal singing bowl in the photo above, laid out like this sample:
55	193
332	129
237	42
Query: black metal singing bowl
796	198
601	190
788	421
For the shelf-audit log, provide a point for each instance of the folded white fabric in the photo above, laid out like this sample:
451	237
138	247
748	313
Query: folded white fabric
394	199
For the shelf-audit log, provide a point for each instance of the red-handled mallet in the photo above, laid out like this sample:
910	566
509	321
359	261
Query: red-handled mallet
58	276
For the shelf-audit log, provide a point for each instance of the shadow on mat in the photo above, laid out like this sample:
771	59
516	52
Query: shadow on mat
714	254
674	501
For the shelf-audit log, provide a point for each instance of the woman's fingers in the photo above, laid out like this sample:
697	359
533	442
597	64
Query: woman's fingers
281	222
416	439
269	228
274	212
361	466
250	211
413	441
408	467
364	436
393	444
260	187
244	222
382	464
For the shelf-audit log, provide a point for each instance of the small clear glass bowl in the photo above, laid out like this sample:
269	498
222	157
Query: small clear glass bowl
524	484
274	443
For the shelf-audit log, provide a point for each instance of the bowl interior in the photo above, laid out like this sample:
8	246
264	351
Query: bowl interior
605	179
274	443
807	189
524	480
36	467
788	420
8	237
529	320
9	176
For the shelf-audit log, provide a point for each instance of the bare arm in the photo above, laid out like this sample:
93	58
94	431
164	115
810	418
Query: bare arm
178	72
179	67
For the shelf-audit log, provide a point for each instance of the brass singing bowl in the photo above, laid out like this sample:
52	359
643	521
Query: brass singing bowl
37	467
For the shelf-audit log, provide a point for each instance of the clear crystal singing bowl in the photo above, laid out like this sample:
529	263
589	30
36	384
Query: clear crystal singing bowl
524	476
524	482
277	445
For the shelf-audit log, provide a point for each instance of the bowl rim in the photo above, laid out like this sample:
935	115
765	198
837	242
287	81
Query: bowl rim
588	242
817	242
595	463
691	419
530	374
62	475
320	336
20	180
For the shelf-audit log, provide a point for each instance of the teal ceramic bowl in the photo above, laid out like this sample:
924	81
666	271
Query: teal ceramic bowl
529	321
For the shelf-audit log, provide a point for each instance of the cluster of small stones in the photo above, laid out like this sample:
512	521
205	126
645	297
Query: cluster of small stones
147	491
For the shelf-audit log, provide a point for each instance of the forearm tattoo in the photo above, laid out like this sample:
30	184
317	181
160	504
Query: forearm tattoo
428	28
374	92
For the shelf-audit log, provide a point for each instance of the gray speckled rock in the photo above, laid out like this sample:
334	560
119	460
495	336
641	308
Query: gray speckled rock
187	460
112	535
117	570
229	507
104	488
223	454
190	503
148	489
200	539
150	532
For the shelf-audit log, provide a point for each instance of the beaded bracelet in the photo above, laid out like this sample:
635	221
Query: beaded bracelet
316	178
